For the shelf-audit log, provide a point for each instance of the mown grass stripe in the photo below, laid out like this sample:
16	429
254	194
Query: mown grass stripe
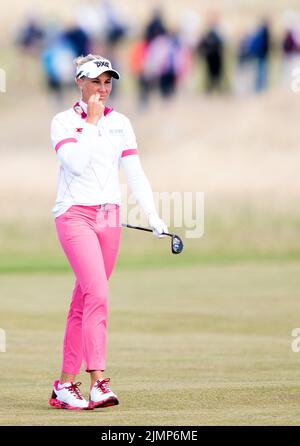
30	264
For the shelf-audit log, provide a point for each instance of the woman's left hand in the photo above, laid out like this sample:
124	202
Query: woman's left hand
158	226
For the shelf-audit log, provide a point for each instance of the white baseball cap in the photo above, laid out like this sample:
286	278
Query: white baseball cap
93	68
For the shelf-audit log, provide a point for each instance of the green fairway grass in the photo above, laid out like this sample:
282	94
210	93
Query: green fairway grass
188	345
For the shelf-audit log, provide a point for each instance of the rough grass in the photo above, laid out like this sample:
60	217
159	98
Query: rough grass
246	235
193	345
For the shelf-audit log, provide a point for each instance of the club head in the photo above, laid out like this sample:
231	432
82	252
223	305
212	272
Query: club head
177	245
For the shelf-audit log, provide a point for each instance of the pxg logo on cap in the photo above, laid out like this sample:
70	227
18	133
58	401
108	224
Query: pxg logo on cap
94	68
102	63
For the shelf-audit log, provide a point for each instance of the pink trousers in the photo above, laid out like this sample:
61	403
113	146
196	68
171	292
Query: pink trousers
90	237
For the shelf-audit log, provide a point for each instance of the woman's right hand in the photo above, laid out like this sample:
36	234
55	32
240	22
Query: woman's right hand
95	109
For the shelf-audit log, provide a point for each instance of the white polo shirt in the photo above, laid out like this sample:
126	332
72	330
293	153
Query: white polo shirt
90	157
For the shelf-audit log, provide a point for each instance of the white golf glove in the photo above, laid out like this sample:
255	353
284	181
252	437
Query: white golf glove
157	225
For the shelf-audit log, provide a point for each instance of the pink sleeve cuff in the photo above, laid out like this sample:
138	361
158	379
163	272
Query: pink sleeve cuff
129	152
64	141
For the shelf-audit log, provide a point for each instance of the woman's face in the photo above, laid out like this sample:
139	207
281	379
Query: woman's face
101	84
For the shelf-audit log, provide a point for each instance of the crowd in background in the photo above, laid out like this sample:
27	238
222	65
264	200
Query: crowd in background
161	59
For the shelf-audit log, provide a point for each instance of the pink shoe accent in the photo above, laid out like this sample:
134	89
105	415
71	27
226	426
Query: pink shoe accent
103	386
54	402
111	401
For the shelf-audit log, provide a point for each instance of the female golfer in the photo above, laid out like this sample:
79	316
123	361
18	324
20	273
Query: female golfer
92	141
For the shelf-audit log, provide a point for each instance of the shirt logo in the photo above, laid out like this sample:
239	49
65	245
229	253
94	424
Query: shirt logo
116	131
79	130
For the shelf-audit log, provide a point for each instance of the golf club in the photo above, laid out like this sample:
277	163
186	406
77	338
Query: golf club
176	242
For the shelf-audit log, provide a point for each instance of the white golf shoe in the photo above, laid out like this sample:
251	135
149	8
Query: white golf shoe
68	396
101	395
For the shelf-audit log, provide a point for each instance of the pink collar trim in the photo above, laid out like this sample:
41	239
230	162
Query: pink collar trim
107	110
80	111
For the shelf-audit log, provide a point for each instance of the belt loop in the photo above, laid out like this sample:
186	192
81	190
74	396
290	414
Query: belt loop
106	207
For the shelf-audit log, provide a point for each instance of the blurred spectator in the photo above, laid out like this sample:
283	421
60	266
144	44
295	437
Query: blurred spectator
158	65
211	49
176	65
62	46
115	27
159	60
260	50
57	62
31	35
77	38
290	45
253	60
155	26
137	59
245	73
146	57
